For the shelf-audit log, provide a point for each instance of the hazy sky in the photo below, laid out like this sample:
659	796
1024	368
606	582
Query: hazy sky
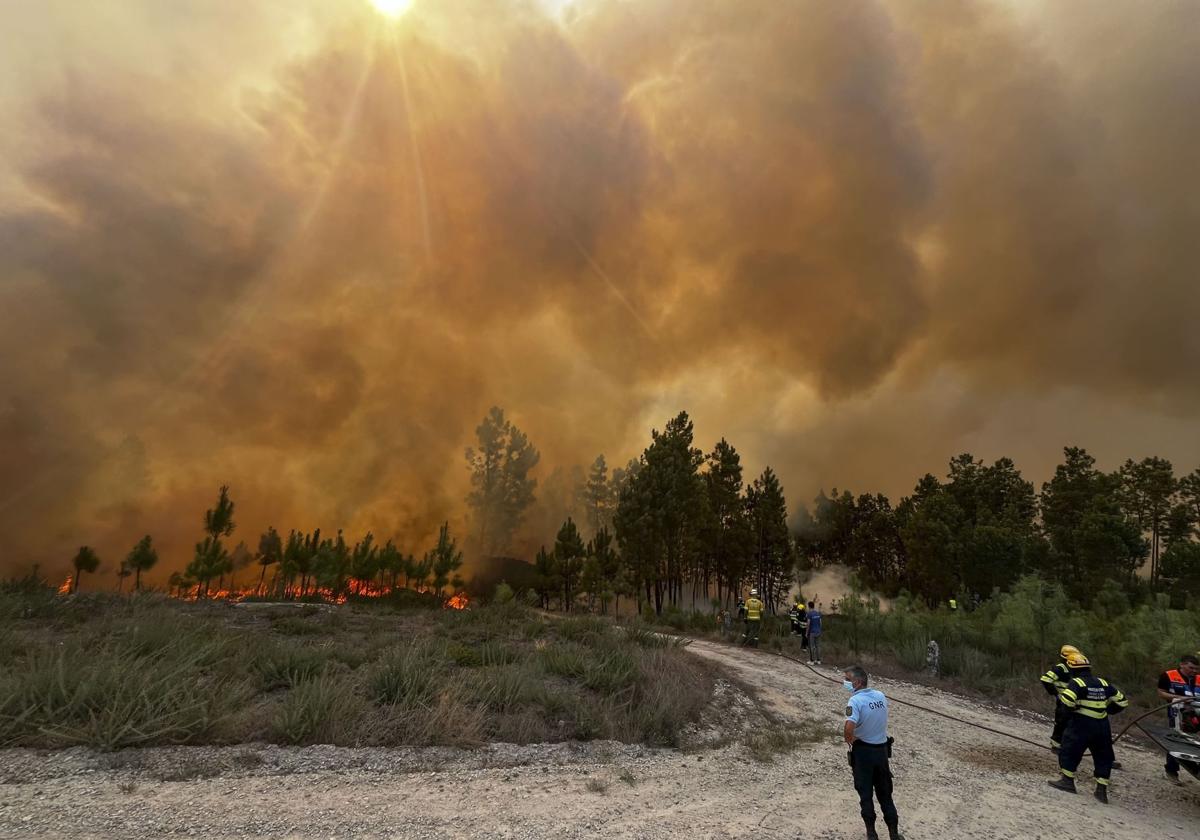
300	248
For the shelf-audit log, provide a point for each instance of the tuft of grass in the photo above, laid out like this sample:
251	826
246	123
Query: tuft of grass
597	786
320	710
463	655
127	788
505	688
766	744
627	777
406	678
287	665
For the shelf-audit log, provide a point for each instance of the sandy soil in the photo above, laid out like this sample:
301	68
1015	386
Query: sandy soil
952	781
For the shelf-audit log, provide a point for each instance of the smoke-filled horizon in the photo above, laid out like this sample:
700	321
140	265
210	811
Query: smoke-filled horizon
300	249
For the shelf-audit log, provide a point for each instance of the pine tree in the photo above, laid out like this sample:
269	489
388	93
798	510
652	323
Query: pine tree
270	553
445	559
142	558
501	488
85	560
569	552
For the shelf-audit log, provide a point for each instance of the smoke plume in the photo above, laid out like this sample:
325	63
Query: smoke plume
300	248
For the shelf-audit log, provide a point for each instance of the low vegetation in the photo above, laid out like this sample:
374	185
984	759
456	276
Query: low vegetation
119	672
998	648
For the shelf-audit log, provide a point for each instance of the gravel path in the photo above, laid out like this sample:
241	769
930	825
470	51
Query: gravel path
952	781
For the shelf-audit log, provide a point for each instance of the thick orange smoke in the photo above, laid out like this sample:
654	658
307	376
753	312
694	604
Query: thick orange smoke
300	249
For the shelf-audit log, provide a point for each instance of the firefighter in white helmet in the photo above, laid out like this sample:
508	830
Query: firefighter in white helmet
754	613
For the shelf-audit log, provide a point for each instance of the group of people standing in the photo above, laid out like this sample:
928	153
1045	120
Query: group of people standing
805	623
1084	703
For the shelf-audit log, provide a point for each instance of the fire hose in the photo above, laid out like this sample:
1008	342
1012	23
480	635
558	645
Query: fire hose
909	703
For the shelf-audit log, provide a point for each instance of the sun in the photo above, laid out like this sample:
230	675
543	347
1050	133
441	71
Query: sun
392	8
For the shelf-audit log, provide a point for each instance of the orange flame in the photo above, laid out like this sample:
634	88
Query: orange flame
458	602
65	589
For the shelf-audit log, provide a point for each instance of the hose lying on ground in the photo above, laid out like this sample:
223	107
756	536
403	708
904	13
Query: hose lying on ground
894	699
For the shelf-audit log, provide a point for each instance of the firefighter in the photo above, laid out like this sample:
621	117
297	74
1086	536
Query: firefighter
754	611
1054	681
796	615
1178	686
1090	700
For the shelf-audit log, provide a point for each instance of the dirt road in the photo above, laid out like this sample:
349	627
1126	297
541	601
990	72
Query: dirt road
952	781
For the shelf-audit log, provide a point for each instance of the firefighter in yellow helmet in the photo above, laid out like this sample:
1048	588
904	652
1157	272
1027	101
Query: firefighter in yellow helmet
1054	681
754	613
1090	700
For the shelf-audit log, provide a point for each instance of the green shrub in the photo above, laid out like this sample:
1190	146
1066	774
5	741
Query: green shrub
505	688
911	653
286	665
498	653
406	678
504	593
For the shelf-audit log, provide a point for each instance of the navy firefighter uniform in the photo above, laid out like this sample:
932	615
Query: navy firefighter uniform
1054	681
870	749
1090	700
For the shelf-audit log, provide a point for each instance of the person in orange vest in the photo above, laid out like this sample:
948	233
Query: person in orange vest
1177	687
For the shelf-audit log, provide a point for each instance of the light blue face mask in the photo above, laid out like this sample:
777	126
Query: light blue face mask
846	684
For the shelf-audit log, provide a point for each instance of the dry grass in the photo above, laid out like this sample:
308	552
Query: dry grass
114	673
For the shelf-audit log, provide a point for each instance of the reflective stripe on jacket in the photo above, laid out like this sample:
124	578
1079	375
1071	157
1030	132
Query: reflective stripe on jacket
1057	677
1093	697
754	609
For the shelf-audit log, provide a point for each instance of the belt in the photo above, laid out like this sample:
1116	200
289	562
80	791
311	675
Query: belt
882	745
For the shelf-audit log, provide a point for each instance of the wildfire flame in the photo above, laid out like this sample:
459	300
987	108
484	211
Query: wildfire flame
65	589
458	602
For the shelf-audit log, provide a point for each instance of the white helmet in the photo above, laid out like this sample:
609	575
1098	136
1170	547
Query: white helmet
753	593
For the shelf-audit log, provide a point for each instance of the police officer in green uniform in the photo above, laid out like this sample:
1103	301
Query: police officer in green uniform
870	748
1090	700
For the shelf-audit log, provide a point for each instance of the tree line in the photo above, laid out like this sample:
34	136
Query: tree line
678	522
675	522
303	564
984	526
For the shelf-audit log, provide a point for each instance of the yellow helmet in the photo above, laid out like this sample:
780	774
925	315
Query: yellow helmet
1078	660
1067	650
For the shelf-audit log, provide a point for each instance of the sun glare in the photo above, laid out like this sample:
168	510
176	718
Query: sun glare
392	8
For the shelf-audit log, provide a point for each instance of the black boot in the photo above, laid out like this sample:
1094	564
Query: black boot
871	833
1102	793
894	829
1064	784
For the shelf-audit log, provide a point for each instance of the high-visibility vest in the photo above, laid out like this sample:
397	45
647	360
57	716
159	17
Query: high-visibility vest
953	604
1179	685
754	609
